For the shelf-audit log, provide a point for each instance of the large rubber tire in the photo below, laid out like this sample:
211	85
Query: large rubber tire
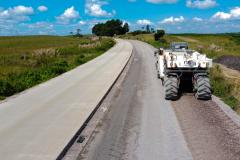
171	88
203	88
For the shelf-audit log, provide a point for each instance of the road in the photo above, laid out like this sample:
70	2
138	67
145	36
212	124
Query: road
140	124
38	123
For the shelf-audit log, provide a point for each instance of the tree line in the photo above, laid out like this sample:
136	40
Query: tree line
111	28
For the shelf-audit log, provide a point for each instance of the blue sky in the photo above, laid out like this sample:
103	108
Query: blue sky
59	17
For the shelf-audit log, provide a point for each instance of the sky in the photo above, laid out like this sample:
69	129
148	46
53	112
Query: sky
60	17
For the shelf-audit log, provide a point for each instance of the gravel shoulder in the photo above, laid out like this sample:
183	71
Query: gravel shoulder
210	133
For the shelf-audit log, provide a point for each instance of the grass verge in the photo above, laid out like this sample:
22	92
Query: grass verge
28	61
224	88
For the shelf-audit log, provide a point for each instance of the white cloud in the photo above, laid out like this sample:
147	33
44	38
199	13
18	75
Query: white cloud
94	8
42	28
161	1
68	15
197	19
42	8
17	11
201	4
172	20
233	14
16	14
221	15
144	22
22	10
41	25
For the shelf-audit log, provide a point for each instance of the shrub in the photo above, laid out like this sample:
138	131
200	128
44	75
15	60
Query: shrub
80	60
59	67
232	101
159	35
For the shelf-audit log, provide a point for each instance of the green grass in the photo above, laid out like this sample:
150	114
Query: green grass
223	88
27	61
214	45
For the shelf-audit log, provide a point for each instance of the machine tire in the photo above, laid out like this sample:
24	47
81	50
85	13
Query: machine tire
203	88
171	88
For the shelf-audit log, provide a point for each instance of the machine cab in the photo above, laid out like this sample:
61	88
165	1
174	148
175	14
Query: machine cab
179	46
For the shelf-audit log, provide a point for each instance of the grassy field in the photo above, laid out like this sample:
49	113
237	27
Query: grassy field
214	45
27	61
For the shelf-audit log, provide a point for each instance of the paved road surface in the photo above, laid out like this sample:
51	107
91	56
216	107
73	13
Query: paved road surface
141	125
38	124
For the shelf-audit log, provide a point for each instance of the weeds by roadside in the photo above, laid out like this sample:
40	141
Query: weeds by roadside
223	88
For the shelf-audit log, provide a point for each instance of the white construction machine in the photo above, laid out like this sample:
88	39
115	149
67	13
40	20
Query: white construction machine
179	63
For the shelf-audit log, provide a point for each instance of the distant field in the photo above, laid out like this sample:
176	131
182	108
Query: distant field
223	48
214	45
29	60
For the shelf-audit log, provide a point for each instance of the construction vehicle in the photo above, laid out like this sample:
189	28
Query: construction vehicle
179	63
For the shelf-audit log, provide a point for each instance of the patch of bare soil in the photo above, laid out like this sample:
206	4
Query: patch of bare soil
232	62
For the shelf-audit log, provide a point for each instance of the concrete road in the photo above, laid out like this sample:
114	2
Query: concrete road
141	125
39	123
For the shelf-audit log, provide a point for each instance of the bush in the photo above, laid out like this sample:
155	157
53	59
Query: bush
232	101
59	67
80	60
5	88
159	35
